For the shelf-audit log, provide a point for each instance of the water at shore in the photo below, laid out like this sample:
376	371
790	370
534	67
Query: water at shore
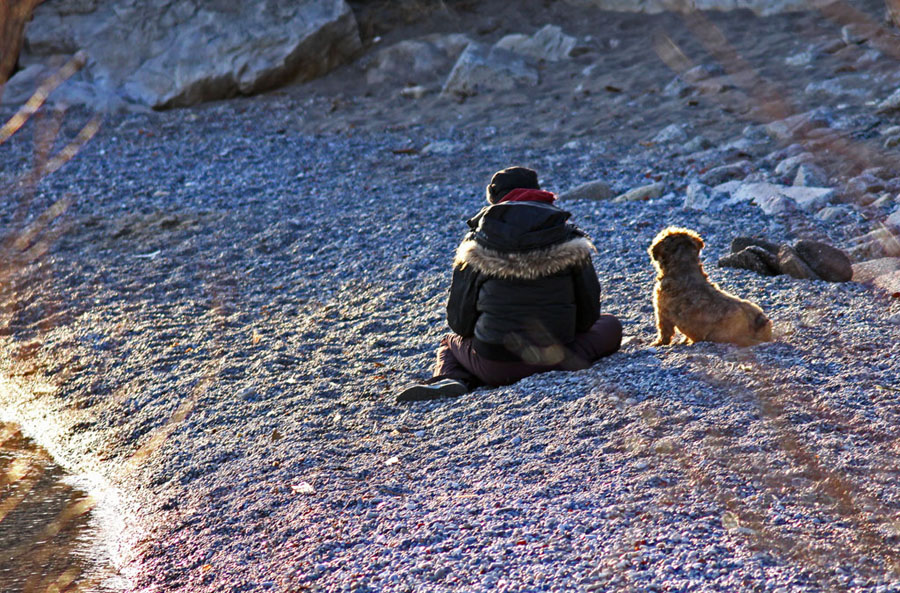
47	536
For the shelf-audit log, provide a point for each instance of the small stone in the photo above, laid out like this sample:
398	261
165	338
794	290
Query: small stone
788	167
443	147
857	33
810	175
671	133
303	488
697	143
592	190
830	213
414	92
791	264
789	127
646	192
864	183
892	103
724	173
827	262
893	219
891	141
801	59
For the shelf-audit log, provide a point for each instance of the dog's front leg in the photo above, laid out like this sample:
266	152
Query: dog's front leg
665	329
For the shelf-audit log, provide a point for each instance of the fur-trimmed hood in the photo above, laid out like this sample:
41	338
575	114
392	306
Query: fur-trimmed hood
526	265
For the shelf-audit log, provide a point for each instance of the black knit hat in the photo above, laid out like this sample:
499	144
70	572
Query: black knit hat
509	179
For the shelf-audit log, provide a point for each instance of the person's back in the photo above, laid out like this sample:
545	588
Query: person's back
538	286
524	297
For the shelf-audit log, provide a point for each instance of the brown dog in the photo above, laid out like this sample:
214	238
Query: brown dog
685	299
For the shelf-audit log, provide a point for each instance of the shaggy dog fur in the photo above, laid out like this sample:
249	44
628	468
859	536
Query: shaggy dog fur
685	299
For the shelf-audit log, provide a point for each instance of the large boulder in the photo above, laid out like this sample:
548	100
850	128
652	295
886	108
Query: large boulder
482	68
829	263
167	53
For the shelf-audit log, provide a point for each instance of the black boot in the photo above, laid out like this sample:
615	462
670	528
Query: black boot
433	389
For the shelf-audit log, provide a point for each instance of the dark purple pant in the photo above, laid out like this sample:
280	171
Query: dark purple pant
457	359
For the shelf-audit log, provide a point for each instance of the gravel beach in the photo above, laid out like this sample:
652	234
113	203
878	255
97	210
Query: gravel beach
239	290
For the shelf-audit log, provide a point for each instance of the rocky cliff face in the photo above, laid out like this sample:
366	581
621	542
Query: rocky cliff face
170	53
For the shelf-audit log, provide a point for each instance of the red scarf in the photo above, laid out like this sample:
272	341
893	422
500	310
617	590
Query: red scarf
528	195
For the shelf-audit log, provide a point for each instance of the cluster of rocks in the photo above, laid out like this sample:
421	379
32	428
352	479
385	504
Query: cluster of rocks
806	259
469	67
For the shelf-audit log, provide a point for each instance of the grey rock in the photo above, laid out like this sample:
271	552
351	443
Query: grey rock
549	44
415	60
677	88
795	125
890	104
746	146
879	172
788	167
775	204
893	219
699	196
697	143
810	175
443	147
844	86
791	264
803	58
672	133
869	57
592	190
481	68
75	91
776	199
891	141
23	84
180	54
856	33
723	173
828	262
864	183
753	258
645	192
414	92
829	213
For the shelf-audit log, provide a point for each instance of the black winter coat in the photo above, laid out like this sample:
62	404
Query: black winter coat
523	283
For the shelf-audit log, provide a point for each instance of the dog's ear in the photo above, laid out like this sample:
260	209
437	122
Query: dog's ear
760	321
655	251
697	241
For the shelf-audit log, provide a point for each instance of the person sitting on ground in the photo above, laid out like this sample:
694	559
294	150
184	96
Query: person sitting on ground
524	297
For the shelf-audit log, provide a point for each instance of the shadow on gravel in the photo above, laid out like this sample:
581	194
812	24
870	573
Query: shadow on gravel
765	467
